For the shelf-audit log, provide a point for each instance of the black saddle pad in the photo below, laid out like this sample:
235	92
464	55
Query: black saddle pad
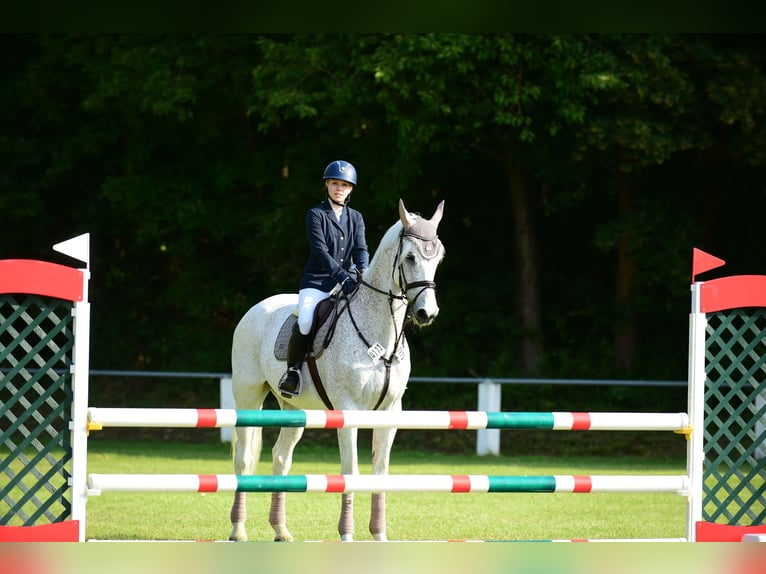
324	321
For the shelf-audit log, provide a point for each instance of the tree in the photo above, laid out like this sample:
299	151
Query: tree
191	159
506	97
663	96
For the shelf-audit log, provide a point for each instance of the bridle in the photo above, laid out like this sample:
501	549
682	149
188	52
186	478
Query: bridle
429	247
433	247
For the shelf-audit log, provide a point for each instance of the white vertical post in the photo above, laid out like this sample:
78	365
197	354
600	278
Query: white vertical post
227	402
696	411
759	434
488	440
79	247
79	423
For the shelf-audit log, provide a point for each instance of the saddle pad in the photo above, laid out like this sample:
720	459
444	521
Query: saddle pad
283	338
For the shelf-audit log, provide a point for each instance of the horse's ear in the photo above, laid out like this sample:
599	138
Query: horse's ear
404	215
437	216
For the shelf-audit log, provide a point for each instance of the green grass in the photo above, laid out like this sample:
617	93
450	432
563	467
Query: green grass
411	516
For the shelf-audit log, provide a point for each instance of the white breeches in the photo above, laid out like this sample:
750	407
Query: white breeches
308	299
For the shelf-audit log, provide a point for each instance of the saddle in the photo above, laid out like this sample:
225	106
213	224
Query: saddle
326	316
322	329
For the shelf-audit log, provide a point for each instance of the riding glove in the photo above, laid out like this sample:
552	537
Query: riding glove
348	285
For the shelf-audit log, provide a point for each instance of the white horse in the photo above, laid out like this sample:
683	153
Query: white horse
397	288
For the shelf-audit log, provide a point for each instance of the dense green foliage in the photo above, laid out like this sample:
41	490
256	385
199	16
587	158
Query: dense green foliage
578	173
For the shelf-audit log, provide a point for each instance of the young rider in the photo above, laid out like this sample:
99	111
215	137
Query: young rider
338	252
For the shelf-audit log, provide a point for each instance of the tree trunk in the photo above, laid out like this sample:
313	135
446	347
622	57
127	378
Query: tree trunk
625	341
527	268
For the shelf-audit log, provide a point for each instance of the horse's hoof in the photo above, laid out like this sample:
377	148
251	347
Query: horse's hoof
282	534
238	533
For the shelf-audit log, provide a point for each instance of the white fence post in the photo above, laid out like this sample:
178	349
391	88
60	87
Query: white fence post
760	426
227	402
488	440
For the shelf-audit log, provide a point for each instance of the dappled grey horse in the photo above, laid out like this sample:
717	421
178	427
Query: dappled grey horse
366	365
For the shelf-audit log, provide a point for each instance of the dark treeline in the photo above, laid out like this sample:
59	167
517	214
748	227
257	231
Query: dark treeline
578	173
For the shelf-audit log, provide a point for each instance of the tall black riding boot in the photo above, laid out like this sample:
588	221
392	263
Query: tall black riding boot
290	383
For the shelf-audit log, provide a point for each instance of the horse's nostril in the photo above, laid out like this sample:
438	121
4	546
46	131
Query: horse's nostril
422	315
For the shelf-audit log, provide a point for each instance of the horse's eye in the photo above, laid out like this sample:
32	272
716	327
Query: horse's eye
410	258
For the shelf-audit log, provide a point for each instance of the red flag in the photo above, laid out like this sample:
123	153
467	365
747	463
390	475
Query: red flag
702	262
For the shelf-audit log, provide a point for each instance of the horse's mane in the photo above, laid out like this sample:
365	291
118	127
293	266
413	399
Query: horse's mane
390	237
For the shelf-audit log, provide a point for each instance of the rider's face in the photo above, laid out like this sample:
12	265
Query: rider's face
338	189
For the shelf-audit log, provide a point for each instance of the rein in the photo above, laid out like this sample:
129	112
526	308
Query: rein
404	286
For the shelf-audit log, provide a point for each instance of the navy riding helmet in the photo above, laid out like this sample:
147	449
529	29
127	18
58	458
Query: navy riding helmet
341	170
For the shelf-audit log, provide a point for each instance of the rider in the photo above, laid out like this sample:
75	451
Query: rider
338	252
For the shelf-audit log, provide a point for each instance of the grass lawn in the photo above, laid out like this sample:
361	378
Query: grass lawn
411	516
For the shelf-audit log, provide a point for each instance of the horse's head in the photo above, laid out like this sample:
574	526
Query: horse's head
420	253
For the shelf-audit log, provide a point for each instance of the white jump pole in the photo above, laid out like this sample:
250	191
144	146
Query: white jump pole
100	483
99	418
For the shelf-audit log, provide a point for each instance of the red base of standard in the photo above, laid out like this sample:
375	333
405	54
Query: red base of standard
712	532
67	531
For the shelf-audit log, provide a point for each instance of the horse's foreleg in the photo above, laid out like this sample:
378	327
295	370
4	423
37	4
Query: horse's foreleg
349	464
382	441
282	457
247	450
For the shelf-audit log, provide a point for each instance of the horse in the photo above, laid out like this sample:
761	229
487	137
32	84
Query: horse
366	365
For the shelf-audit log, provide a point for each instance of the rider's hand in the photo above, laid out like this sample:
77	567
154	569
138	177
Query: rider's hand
348	285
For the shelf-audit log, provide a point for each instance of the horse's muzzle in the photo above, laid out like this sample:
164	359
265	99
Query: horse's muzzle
422	317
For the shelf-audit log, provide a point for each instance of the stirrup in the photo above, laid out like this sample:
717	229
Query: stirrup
287	392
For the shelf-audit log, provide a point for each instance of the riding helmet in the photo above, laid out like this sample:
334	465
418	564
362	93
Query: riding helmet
341	170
